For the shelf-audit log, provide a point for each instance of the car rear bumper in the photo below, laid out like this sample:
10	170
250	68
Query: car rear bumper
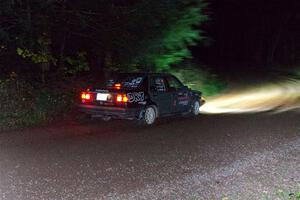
114	112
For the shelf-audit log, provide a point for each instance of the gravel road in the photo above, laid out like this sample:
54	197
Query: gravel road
249	156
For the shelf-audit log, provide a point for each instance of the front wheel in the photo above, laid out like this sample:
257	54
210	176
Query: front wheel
195	108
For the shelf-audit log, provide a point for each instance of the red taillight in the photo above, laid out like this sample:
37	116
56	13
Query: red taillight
86	96
122	98
119	98
125	99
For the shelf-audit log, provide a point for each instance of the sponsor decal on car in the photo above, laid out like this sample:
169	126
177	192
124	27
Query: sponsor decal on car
184	100
135	97
101	91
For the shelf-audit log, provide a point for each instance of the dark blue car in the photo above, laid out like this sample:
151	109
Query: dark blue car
142	97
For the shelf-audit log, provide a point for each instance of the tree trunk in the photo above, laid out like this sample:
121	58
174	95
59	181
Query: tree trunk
97	62
28	21
62	52
63	41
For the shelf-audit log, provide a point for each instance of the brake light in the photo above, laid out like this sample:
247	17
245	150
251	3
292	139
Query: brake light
86	96
125	99
122	98
119	98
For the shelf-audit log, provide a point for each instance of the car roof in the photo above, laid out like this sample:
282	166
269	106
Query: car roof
145	74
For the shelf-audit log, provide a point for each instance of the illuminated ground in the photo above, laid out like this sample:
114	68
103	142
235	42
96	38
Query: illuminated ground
214	156
281	94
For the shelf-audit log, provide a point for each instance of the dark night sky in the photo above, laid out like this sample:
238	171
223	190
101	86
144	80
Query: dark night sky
248	34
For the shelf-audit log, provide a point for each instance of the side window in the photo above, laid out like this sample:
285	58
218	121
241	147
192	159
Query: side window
158	84
144	84
174	83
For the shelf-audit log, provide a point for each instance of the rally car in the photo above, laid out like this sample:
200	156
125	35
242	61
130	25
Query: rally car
141	96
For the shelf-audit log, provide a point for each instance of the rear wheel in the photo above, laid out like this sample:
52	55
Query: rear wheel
148	116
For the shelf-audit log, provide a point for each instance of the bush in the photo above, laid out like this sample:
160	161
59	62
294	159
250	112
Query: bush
297	73
23	105
199	79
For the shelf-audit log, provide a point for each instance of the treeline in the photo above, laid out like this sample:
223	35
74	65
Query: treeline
64	38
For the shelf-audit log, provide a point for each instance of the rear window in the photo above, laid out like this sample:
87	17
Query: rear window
126	81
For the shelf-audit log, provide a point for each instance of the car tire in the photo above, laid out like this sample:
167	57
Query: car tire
195	109
149	116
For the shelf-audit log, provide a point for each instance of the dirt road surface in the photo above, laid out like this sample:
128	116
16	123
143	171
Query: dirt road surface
249	156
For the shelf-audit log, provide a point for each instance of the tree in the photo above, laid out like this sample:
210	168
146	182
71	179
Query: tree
113	34
145	35
25	28
161	32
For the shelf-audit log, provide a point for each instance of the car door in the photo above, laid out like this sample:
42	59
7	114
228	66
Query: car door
159	94
181	98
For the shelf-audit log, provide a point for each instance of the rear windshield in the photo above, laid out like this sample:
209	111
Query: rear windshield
126	81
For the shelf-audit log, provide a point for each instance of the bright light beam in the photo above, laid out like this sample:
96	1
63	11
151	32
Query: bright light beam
276	96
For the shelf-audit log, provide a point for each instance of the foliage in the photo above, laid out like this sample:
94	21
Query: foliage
76	65
147	34
167	33
23	105
36	57
43	55
199	79
285	194
176	39
297	72
279	194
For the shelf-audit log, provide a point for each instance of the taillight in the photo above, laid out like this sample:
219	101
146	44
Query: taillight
85	96
122	98
119	98
125	99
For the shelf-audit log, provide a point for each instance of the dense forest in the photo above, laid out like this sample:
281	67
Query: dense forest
64	37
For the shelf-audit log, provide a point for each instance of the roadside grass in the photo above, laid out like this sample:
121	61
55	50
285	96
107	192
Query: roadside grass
297	72
24	103
284	194
280	194
200	79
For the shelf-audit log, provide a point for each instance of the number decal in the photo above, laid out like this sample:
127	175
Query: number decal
135	97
